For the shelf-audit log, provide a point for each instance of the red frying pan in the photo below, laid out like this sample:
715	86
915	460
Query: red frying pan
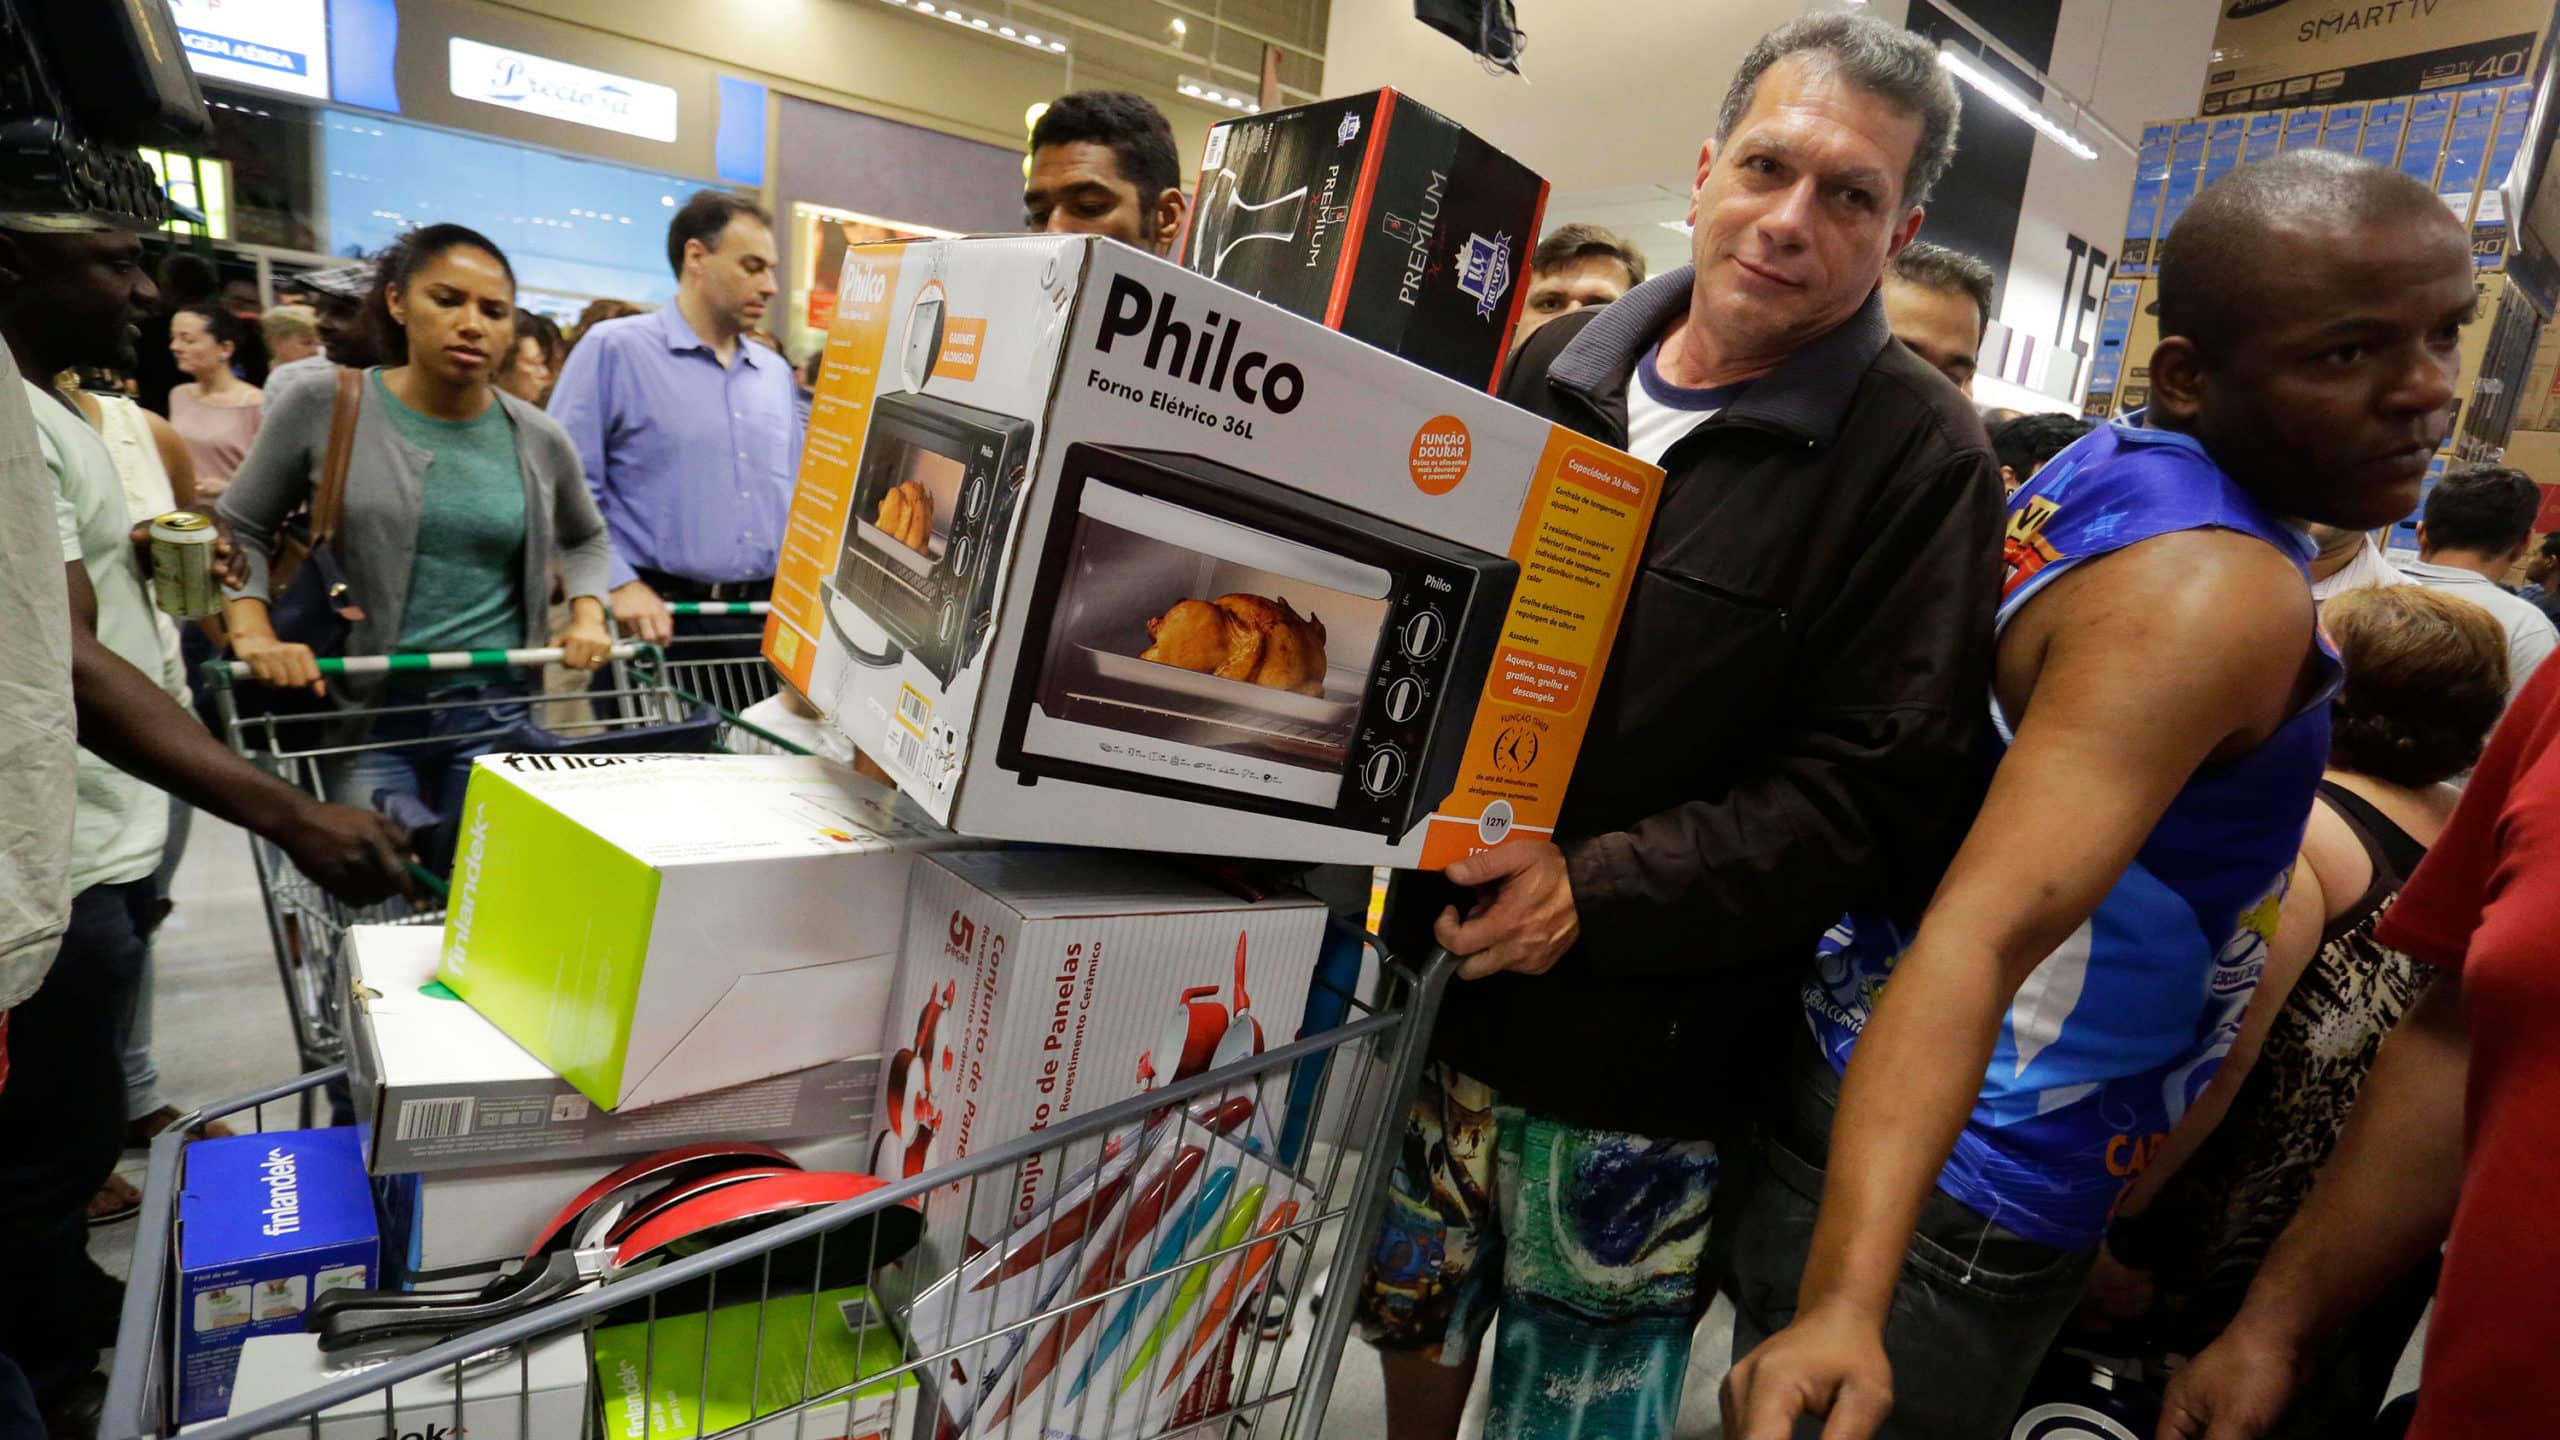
581	1223
590	1243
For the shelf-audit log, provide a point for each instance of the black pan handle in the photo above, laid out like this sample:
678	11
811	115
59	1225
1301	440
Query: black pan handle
344	1319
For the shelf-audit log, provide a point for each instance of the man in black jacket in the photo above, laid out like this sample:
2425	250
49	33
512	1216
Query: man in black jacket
1788	723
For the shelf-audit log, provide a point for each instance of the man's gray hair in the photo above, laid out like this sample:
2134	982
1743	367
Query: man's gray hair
1881	59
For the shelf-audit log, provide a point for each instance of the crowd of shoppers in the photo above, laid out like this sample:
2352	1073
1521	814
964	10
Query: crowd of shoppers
2148	992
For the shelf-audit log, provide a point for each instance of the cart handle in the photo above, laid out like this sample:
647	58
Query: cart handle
719	607
224	672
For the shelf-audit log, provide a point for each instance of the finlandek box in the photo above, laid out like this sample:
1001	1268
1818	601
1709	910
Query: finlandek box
265	1223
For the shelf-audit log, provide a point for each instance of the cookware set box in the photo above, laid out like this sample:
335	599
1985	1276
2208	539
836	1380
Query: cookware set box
1090	549
1037	985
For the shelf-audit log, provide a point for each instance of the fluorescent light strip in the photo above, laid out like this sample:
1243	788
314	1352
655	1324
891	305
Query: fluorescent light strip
982	24
1999	92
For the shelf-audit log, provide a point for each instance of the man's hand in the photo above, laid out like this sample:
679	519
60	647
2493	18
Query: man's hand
1826	1363
2235	1390
641	614
356	855
1529	921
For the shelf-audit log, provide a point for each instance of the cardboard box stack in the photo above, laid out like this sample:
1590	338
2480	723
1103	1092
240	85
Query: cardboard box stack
1087	549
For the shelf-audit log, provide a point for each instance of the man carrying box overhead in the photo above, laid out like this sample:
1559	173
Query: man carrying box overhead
1783	731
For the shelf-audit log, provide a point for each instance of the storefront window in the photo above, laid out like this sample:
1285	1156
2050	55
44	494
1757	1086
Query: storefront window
570	227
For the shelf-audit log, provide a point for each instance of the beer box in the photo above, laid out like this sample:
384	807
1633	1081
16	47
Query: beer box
1089	549
438	1088
1378	216
265	1223
651	927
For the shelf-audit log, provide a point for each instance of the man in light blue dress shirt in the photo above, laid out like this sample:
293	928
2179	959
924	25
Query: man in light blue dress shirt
688	432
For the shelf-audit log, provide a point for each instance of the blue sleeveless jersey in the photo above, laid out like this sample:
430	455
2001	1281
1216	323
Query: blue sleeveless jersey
2116	1033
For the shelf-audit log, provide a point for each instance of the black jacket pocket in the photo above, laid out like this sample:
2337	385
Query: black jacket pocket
1692	666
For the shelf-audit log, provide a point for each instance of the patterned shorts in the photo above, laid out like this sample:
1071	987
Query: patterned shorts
1590	1244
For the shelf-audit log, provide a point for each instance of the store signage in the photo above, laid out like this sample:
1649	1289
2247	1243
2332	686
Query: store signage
270	44
513	80
2280	54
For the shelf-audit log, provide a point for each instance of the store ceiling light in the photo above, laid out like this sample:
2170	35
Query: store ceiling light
2001	93
1208	93
986	25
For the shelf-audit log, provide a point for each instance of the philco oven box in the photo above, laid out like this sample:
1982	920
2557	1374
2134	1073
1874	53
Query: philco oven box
1378	216
439	1088
657	926
1089	549
265	1223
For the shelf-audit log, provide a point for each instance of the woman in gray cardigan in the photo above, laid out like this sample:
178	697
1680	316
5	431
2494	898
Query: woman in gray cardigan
459	500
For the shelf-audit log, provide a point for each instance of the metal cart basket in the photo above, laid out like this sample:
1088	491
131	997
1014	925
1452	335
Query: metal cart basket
1050	1360
653	688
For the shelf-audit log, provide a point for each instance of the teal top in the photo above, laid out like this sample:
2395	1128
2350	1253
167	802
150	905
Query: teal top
463	591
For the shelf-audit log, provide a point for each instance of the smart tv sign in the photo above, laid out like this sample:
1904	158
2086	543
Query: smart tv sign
554	89
270	44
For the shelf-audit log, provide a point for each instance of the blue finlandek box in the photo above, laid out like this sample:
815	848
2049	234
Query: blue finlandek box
265	1222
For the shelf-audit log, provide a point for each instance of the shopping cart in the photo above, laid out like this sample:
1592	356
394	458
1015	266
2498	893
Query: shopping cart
1241	1368
649	689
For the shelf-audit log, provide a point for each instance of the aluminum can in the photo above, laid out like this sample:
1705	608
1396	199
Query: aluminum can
182	582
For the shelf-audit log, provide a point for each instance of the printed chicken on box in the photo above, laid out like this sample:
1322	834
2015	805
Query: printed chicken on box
1089	549
1040	985
657	926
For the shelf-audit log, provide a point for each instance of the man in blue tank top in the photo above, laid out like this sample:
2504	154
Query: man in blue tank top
2161	699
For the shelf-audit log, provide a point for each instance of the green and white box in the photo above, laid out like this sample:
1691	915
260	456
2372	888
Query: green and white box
657	926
